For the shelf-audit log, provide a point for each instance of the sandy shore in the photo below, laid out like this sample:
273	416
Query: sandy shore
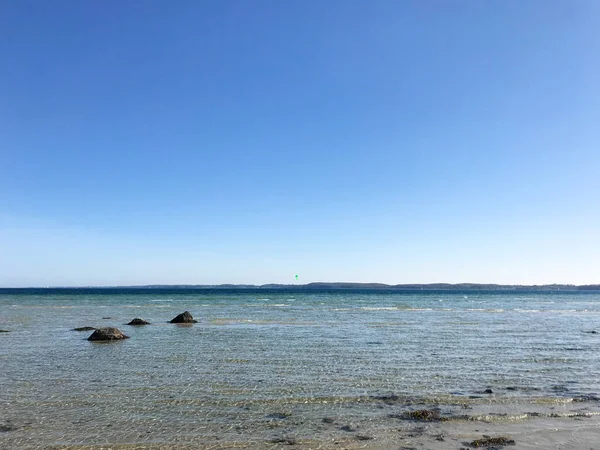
540	433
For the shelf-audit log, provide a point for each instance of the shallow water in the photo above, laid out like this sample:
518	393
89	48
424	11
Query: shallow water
263	365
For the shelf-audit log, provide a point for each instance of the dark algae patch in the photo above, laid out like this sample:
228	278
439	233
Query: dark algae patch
490	441
422	415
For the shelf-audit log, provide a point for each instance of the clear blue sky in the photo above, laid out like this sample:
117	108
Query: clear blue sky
341	140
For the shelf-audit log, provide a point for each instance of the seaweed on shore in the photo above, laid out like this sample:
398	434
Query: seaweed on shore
421	415
488	441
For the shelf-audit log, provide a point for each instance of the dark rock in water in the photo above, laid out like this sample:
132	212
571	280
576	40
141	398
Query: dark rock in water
348	429
107	334
84	329
4	331
138	321
488	441
184	317
488	391
107	318
591	332
328	420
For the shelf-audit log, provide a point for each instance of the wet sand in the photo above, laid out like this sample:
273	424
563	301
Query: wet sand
534	434
567	426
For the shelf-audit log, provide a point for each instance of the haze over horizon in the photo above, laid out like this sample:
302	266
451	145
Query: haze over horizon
229	142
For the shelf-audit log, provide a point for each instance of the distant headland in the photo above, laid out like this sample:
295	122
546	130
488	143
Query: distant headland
348	285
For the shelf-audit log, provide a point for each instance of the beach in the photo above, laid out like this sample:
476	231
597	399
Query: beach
293	369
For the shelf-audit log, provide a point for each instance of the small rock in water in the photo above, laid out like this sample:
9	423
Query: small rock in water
348	429
184	317
488	441
107	334
328	420
488	391
138	321
107	318
4	331
84	329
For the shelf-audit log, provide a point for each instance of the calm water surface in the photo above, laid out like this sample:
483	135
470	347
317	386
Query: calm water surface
264	364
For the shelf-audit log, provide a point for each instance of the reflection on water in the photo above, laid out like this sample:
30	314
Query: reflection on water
258	368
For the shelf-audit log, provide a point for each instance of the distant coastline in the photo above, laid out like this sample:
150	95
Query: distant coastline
327	286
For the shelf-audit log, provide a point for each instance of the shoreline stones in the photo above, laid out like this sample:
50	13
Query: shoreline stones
84	329
184	317
107	334
138	321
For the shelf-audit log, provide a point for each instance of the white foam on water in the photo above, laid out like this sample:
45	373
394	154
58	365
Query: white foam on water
380	308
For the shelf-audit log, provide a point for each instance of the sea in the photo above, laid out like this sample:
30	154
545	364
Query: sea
287	368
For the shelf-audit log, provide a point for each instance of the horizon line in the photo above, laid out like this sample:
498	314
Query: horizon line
322	284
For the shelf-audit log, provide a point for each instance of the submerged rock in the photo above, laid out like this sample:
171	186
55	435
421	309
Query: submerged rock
184	317
138	321
488	441
284	440
362	437
4	331
84	329
278	415
107	334
5	428
388	399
